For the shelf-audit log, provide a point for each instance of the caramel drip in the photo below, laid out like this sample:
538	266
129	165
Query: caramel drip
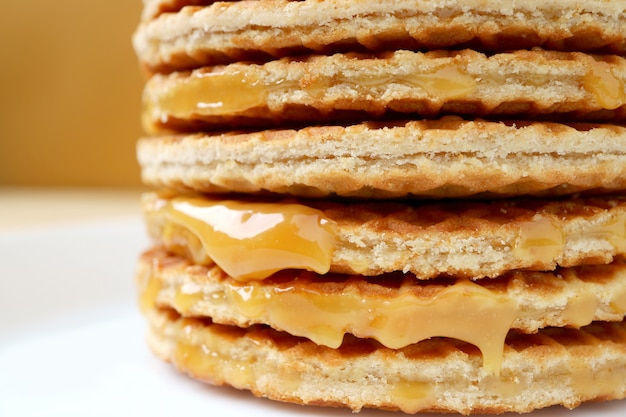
255	240
463	311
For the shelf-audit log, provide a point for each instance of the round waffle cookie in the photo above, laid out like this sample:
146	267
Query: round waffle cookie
442	158
154	8
362	87
266	29
332	305
554	366
465	239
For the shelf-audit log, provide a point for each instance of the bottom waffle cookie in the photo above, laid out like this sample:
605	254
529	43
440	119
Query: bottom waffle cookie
554	366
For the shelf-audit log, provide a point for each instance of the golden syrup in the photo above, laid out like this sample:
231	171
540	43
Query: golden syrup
255	240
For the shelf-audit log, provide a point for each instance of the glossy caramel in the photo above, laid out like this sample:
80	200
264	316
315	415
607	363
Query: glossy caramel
231	92
255	240
607	89
464	311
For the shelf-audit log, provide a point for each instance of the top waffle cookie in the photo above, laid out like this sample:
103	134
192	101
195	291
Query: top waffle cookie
243	30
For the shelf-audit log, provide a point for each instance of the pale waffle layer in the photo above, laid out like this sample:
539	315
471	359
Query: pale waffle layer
438	158
154	8
554	366
297	301
243	30
355	86
472	239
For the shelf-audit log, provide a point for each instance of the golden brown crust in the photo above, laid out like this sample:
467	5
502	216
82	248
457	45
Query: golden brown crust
555	366
470	239
227	32
363	87
437	158
567	297
155	8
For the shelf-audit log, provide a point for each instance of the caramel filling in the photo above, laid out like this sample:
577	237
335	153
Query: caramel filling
618	304
445	82
149	293
613	230
543	240
412	395
587	380
205	360
253	240
540	239
607	89
225	93
581	310
464	311
214	93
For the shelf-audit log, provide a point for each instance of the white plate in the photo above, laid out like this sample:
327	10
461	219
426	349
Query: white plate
71	340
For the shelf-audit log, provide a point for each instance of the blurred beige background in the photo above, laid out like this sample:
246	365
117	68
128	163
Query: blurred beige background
70	90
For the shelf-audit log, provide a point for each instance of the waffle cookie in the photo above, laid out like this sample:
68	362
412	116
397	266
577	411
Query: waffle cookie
357	86
554	366
471	239
154	8
266	29
443	158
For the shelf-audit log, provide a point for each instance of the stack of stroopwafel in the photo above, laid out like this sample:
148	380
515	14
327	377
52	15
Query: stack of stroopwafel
409	205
